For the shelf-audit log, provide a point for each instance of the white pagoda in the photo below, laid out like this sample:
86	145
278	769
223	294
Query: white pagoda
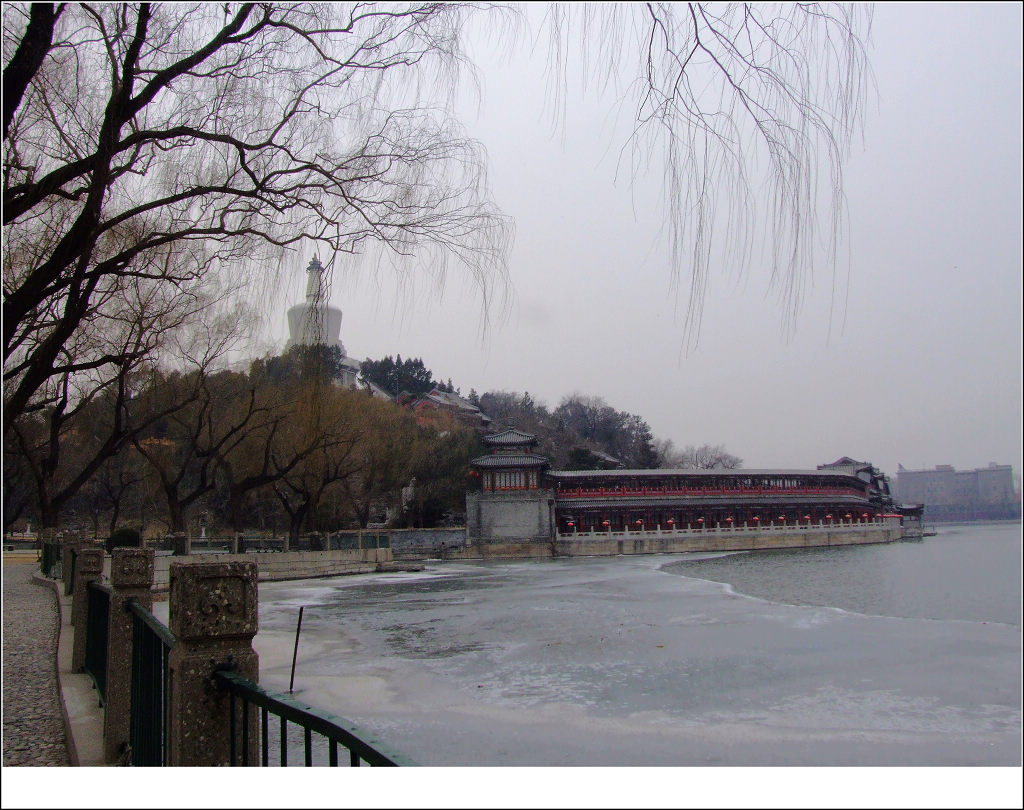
314	322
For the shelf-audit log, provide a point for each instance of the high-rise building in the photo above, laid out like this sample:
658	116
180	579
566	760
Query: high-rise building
985	492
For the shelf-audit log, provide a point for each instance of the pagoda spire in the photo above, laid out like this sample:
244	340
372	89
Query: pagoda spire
315	281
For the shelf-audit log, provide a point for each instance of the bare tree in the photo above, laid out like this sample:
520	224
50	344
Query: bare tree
383	458
702	457
751	106
86	411
315	454
304	437
106	492
163	141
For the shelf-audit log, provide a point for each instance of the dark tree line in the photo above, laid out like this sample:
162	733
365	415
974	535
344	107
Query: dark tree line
395	375
572	433
586	433
279	449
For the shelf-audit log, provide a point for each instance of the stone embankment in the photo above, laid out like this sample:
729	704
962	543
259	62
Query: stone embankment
283	565
33	727
601	545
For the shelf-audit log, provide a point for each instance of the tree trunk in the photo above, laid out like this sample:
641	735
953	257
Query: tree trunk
235	498
114	515
49	514
295	525
175	512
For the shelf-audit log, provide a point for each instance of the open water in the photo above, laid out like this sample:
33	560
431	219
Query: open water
899	654
968	571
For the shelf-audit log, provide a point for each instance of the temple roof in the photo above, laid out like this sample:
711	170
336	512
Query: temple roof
846	461
505	460
659	473
510	438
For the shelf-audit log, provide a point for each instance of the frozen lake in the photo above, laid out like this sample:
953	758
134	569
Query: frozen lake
637	661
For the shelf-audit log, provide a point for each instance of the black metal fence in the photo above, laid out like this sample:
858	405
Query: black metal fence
247	696
96	623
69	576
147	727
50	557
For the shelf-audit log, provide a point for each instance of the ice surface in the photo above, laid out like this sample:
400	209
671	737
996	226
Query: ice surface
608	661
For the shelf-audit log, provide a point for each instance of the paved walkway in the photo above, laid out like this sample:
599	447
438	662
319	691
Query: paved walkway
33	727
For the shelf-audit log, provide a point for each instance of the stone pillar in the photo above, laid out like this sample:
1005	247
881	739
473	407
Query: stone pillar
237	543
131	578
213	612
88	568
181	544
44	536
70	545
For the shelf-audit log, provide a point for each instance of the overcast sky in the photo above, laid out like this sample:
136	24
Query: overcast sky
912	357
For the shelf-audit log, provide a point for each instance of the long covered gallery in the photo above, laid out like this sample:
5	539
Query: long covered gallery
584	501
614	500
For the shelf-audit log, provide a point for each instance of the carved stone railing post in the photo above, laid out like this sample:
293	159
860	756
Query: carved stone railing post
213	612
181	544
88	568
131	578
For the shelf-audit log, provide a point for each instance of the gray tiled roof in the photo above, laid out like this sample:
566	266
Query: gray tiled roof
511	436
510	460
658	473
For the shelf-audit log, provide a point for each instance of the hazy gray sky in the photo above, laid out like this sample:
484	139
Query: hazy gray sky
912	357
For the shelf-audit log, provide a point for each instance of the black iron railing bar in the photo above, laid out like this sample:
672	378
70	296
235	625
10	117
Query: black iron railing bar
97	618
264	736
330	726
245	732
231	716
152	622
151	642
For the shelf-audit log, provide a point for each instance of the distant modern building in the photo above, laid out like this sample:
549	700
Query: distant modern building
985	493
315	323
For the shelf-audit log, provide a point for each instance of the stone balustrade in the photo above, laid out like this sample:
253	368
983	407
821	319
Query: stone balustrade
213	618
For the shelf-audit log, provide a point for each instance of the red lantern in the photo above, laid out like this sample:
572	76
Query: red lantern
639	523
571	524
756	518
728	520
782	518
670	521
700	520
604	522
807	517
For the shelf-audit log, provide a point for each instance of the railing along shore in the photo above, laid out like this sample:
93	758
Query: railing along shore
187	695
672	531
